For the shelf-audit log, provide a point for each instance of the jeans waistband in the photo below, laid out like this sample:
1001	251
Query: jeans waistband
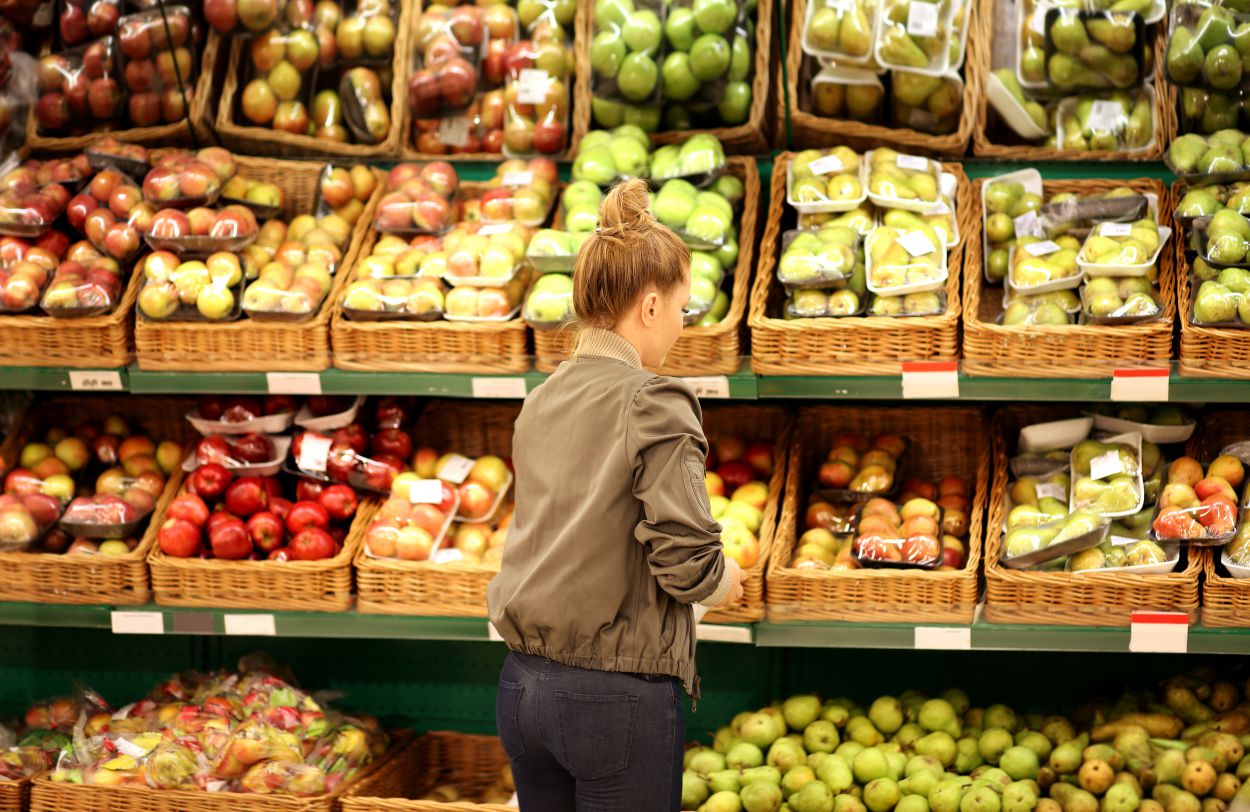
542	664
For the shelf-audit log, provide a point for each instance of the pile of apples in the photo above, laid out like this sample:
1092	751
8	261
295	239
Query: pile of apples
158	69
857	464
25	269
244	409
182	179
419	199
112	214
78	87
27	209
346	190
741	470
170	228
83	20
449	41
254	193
410	531
909	534
85	282
172	286
367	461
234	451
477	543
520	191
250	519
1194	506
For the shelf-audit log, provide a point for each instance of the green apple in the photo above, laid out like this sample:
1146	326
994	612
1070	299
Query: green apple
612	13
740	60
582	218
664	162
680	82
642	31
701	154
705	266
720	306
680	28
728	253
595	138
717	202
637	77
556	283
607	52
549	243
644	116
714	16
735	105
709	57
702	293
633	131
581	192
673	206
630	158
545	307
607	113
708	224
595	164
731	188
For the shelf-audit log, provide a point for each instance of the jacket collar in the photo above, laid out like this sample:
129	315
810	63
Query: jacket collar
607	344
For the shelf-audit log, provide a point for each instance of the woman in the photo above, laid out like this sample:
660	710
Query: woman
612	541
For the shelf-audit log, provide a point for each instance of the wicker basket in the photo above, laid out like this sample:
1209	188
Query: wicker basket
457	589
941	442
1101	598
471	764
426	346
239	135
96	341
1071	351
750	138
579	117
53	796
296	586
852	345
980	47
195	128
244	344
810	130
15	795
713	350
92	579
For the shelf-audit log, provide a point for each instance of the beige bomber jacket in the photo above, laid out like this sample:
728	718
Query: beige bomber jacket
613	537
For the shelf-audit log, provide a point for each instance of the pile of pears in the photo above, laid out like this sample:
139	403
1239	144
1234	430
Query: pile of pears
925	103
898	49
1209	48
1227	239
1117	494
1180	748
1128	297
844	29
1094	50
1108	245
1132	129
894	265
1209	111
1004	201
1219	153
891	176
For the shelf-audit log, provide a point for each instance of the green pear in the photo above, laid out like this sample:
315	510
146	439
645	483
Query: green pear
1186	151
1068	33
1222	67
1215	27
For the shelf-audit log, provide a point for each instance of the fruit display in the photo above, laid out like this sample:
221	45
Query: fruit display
927	104
413	522
537	94
247	452
1203	50
840	32
604	157
249	730
87	283
738	471
26	269
450	45
1119	123
239	414
1221	301
1108	476
364	33
849	93
113	214
579	207
1203	160
914	35
521	191
83	20
907	533
190	290
626	51
483	304
1123	249
79	88
351	455
184	180
1006	204
827	258
1199	507
549	302
1222	240
1094	49
1129	300
903	181
905	261
420	199
158	64
825	181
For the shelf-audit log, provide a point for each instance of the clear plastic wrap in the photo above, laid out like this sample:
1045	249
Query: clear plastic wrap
1206	160
903	181
264	200
78	290
288	292
201	231
841	31
555	251
914	35
82	20
1217	304
705	220
605	157
191	290
1123	249
1202	48
181	180
700	159
450	46
419	199
158	64
805	303
414	520
848	93
483	304
821	259
1107	476
924	303
364	105
1094	49
825	181
1039	265
539	102
79	88
1124	301
1119	123
927	104
549	303
1222	240
900	262
521	191
627	44
1027	546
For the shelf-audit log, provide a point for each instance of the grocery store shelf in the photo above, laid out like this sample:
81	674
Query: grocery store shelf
980	636
63	378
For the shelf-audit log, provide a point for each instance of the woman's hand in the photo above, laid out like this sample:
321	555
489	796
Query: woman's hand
735	585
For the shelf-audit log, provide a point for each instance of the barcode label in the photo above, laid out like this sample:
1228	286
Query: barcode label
1041	249
922	19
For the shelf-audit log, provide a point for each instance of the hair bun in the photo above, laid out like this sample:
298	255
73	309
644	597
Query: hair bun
626	210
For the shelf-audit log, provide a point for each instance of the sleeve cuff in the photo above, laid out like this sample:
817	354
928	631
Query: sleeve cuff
720	593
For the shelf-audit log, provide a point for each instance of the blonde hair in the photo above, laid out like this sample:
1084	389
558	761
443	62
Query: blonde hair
629	253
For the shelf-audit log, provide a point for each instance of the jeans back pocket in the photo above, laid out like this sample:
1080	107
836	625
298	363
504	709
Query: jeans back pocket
596	732
507	708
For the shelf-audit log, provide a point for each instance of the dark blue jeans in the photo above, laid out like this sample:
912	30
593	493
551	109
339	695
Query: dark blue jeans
590	741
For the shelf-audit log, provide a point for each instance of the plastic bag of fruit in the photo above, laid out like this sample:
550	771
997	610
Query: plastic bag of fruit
79	88
450	45
419	199
537	93
87	286
158	64
27	209
129	159
191	290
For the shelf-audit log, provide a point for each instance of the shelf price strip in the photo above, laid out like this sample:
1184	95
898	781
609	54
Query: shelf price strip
930	379
1140	384
1159	632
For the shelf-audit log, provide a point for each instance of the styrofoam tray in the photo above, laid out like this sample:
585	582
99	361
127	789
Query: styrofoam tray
1055	435
268	424
1130	438
1235	570
281	445
1031	180
1011	112
1159	435
1092	269
329	422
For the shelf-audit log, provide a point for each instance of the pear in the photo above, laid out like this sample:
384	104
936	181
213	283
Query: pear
1068	33
1065	72
1117	33
1186	151
1033	64
899	49
1184	57
855	33
863	101
1215	27
1219	159
1222	67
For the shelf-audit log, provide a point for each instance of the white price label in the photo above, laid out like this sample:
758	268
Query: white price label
916	243
1106	115
930	379
250	625
1115	229
129	748
95	380
293	383
1123	541
1037	23
455	469
1050	490
1159	632
1041	249
425	492
1027	225
499	388
532	86
922	20
943	638
523	177
453	131
826	164
494	228
314	450
1105	465
717	633
137	622
914	162
448	556
709	386
1149	385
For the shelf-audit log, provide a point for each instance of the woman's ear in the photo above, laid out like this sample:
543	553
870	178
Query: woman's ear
650	308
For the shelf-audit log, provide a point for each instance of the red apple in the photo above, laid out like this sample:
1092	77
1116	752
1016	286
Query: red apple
266	531
339	501
191	507
229	540
312	544
305	515
246	496
179	538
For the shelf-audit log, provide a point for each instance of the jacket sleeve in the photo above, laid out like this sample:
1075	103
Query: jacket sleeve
668	449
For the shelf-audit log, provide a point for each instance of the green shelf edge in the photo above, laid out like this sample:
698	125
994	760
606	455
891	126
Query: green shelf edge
983	636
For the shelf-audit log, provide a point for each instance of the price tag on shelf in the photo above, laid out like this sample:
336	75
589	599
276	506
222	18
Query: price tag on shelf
499	387
1051	490
1041	249
314	450
455	469
95	380
1140	384
532	86
453	131
250	625
709	386
137	622
915	162
425	492
1115	229
825	164
720	633
930	379
1027	225
944	638
293	383
1159	632
916	243
1105	465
